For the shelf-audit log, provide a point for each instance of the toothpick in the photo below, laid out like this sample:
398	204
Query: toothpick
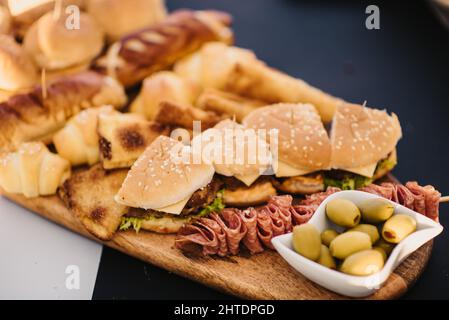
44	83
162	150
292	117
57	10
364	103
444	199
234	118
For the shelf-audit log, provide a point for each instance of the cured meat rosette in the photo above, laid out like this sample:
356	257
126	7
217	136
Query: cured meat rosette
232	229
225	233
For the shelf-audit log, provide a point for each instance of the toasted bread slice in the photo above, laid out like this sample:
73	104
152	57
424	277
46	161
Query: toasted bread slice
89	194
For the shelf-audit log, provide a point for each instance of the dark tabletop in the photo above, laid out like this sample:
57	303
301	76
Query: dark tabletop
403	67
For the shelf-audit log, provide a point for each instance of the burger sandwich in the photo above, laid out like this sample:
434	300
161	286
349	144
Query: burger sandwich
163	191
359	148
242	160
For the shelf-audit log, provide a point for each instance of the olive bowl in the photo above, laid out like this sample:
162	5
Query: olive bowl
348	285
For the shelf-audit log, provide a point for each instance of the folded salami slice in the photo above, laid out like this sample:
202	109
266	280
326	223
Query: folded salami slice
255	227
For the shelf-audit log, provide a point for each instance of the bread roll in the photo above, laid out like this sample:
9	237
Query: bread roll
238	71
211	66
89	195
138	55
243	196
303	141
158	179
53	46
163	86
124	137
17	71
78	141
41	112
33	171
25	13
118	17
362	136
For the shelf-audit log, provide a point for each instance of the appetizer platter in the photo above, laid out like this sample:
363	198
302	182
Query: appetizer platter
140	134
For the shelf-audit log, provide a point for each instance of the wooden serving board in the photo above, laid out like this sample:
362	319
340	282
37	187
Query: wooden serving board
262	276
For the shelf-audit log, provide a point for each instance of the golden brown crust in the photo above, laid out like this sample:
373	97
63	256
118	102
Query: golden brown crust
163	86
227	103
243	196
177	115
89	194
166	224
301	184
140	54
31	116
258	81
124	137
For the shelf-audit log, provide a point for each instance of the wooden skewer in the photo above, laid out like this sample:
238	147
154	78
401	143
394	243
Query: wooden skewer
57	10
44	83
444	199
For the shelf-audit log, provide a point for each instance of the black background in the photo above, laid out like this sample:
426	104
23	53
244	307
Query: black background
403	67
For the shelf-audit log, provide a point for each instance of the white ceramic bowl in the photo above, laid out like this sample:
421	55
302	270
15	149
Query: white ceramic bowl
355	286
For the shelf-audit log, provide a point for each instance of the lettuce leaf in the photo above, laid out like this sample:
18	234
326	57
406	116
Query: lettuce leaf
386	165
349	182
216	206
136	223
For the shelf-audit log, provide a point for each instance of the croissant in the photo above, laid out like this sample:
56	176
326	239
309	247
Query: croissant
137	55
37	115
78	140
163	86
33	170
238	71
123	137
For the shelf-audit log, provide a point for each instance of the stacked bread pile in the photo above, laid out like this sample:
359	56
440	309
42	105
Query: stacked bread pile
69	68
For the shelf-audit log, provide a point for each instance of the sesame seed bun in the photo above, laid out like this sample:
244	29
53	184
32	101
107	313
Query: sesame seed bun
362	136
303	140
166	224
54	46
17	71
156	180
237	157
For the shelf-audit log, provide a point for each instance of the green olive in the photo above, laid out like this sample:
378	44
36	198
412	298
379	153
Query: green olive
363	263
348	243
382	252
328	235
398	227
369	229
326	258
307	241
343	212
386	246
376	210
